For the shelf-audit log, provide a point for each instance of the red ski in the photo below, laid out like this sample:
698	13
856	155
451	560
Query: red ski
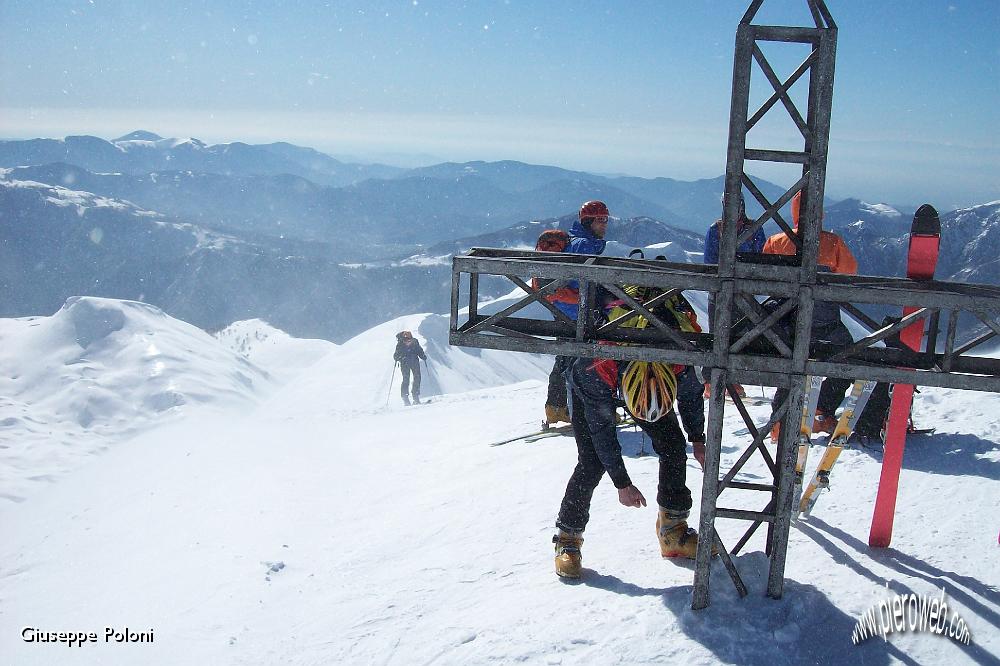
925	239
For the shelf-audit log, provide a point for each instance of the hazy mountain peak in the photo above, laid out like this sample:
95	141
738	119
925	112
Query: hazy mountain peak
139	135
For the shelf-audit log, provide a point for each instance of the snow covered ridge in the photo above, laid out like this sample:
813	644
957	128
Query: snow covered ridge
97	371
880	209
87	202
272	349
62	196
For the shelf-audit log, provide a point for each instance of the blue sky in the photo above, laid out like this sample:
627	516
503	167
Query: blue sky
613	87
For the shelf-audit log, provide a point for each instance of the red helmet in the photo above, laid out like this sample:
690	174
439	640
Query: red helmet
594	209
552	240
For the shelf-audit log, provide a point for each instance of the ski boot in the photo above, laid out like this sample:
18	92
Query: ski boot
416	398
824	422
554	414
569	559
675	537
406	400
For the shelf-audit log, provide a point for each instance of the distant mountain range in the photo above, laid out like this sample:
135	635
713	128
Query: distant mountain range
56	243
363	210
970	238
144	152
243	232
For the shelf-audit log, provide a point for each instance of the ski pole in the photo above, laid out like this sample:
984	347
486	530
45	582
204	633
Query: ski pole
428	369
391	377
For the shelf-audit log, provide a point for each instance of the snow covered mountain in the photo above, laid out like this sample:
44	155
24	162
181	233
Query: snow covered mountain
298	192
97	372
884	219
56	243
272	349
969	241
356	219
142	152
103	370
311	523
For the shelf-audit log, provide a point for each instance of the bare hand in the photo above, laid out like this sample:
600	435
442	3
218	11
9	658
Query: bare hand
630	496
699	452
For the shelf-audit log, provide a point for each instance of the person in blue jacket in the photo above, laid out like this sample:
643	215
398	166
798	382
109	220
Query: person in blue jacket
585	237
754	245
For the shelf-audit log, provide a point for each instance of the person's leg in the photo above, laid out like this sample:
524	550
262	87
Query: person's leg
676	539
556	396
831	394
574	512
668	443
555	402
691	404
416	382
404	387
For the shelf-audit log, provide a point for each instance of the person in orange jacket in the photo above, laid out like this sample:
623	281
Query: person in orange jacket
833	251
836	257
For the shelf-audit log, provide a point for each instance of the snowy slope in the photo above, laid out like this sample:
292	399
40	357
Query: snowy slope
97	371
325	528
356	376
270	348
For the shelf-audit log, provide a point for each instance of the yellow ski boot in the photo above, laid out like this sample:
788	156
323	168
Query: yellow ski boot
569	559
675	537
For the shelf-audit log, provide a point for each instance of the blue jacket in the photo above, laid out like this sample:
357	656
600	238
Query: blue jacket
754	244
581	241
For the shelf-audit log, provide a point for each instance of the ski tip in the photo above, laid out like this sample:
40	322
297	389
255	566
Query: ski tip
926	221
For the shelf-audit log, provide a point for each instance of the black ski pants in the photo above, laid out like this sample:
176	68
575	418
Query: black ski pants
691	404
831	394
598	451
557	384
405	368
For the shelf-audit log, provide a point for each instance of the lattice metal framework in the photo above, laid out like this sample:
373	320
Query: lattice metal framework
759	354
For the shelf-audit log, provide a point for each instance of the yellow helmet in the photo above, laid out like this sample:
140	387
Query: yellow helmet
649	389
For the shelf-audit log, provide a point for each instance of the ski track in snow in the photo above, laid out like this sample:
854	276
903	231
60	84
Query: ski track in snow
318	525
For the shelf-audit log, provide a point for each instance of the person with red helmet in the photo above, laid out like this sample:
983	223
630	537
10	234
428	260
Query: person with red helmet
585	237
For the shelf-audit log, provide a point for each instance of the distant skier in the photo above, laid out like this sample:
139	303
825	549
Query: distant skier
753	245
836	257
408	354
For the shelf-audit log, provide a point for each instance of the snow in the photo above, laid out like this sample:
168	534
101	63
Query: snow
311	523
421	260
97	371
879	209
272	349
